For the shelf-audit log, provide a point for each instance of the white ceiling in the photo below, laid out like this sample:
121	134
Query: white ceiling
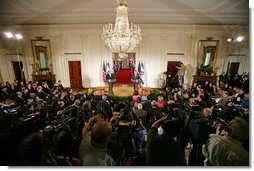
200	12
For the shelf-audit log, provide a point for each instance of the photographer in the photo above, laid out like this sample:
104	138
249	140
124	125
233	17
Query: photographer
228	150
33	151
122	145
93	147
164	150
88	126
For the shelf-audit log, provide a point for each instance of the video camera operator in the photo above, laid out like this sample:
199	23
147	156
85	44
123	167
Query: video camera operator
122	145
201	124
164	150
15	125
63	139
33	151
228	150
93	149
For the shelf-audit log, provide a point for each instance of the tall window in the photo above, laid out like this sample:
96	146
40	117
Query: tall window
43	60
209	55
41	55
207	58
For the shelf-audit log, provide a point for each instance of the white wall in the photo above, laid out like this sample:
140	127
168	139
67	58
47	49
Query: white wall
84	41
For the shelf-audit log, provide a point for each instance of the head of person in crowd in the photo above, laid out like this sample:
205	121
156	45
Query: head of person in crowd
33	151
89	125
77	103
100	134
140	106
171	128
239	129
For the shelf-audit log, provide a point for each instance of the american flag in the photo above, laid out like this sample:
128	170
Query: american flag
104	71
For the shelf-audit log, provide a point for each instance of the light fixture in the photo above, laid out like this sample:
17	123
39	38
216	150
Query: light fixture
123	55
239	38
229	39
18	36
124	37
8	35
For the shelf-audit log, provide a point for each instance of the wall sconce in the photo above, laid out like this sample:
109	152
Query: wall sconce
239	38
17	36
229	39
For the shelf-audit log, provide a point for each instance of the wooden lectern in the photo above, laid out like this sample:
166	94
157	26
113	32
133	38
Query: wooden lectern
135	84
110	86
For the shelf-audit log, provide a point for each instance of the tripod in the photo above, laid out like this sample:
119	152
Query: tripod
174	77
171	82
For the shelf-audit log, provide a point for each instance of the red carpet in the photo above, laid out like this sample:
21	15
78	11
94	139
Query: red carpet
123	76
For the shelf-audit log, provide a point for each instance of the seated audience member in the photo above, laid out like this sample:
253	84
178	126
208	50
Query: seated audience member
146	101
140	113
246	100
160	102
45	88
163	150
20	101
93	148
228	150
60	86
135	96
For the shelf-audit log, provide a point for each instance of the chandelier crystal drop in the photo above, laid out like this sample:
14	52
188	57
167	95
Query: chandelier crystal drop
124	37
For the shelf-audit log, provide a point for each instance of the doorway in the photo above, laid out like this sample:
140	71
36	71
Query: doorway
123	67
172	77
233	68
75	74
18	70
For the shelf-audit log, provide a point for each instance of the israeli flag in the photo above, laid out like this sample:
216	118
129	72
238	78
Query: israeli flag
142	74
108	68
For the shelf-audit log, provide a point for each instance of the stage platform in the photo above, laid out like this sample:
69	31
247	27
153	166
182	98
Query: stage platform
118	89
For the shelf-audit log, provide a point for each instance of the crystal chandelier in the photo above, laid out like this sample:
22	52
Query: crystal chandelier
123	55
123	38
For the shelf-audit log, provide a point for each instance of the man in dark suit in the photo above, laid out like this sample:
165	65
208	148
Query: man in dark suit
20	101
111	79
110	75
222	78
135	79
106	105
135	75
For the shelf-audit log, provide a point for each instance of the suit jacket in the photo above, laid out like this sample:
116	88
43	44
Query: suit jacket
110	76
135	76
222	77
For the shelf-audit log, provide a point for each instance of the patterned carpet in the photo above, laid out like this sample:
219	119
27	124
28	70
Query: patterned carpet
118	90
123	90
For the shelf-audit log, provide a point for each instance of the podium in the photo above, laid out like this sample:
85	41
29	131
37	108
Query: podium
110	86
135	84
